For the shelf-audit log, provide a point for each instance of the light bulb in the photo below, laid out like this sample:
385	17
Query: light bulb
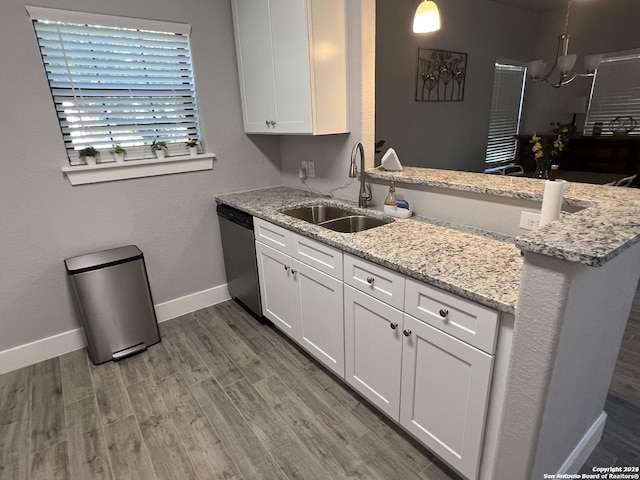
427	18
566	62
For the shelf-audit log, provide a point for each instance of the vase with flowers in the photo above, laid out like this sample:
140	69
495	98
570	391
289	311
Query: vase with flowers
546	148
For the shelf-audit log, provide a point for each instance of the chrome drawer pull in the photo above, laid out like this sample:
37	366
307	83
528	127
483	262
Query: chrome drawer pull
370	280
286	267
444	312
407	332
393	325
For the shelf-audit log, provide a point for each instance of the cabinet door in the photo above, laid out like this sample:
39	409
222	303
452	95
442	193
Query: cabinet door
373	349
321	315
255	64
445	390
290	33
279	298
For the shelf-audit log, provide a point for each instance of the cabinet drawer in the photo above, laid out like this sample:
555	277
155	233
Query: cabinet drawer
472	323
272	235
317	255
377	281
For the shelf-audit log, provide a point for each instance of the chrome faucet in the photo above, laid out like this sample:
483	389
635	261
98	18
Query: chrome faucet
365	189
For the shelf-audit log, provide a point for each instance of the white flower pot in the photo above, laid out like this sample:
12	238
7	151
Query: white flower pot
193	150
90	160
118	157
159	154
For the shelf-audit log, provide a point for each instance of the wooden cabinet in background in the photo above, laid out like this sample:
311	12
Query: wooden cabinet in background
606	153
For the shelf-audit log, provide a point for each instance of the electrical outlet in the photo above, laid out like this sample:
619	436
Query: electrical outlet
311	169
529	221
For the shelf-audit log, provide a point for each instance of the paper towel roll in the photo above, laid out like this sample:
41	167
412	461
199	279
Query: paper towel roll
551	201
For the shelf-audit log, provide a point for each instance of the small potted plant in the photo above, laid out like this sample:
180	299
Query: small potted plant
159	148
118	153
90	155
192	146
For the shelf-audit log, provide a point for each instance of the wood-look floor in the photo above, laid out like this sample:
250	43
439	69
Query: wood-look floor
224	397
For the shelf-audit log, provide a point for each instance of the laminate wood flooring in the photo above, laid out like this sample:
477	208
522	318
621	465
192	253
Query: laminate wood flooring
224	397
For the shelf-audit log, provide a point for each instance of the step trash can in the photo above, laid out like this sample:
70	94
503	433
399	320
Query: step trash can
113	300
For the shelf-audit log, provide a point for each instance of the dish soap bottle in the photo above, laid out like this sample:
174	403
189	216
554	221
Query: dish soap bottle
391	202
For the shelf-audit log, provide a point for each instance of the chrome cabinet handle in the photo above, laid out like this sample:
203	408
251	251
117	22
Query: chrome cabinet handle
407	332
393	325
370	280
273	123
444	312
267	123
294	271
287	267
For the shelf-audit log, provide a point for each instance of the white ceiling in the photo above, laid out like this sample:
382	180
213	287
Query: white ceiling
535	5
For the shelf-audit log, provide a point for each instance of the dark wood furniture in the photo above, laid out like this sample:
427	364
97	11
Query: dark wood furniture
606	154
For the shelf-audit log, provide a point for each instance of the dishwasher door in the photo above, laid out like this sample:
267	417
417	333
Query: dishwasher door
238	246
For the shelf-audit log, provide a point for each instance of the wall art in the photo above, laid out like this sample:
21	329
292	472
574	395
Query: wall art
440	76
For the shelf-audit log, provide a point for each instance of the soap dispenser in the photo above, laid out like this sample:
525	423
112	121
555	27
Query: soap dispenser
391	202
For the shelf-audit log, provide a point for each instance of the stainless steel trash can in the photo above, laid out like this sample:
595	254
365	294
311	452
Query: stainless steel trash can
112	297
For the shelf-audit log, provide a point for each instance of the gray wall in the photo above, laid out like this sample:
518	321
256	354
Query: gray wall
171	218
450	135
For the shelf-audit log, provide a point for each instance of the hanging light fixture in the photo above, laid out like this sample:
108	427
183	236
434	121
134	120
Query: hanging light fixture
427	17
563	62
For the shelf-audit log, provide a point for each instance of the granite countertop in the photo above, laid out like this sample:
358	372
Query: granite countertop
480	267
608	224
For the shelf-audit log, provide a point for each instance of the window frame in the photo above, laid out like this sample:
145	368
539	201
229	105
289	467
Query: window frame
179	160
629	109
522	70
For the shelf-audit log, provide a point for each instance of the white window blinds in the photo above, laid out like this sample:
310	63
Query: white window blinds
506	110
118	84
615	92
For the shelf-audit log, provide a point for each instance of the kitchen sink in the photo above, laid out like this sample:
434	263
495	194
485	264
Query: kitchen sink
354	223
317	213
335	218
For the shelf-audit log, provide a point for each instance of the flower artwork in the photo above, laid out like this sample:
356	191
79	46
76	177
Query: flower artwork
440	76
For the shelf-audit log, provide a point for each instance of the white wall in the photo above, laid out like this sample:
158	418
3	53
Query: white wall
171	218
450	135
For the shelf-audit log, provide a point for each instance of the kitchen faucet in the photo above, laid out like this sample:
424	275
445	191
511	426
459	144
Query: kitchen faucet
365	189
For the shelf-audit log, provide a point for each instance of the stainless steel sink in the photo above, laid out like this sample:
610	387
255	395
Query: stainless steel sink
317	213
354	223
335	218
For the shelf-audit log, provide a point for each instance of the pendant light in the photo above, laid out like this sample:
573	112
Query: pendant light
427	17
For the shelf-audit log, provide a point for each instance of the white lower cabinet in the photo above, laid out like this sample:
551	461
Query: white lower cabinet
303	302
373	350
444	394
429	373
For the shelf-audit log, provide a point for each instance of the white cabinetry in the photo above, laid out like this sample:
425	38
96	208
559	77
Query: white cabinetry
292	64
445	393
302	300
434	384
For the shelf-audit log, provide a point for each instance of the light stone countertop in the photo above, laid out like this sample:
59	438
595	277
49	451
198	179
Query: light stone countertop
608	224
480	267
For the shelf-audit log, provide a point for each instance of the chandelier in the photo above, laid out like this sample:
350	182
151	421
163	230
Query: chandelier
563	63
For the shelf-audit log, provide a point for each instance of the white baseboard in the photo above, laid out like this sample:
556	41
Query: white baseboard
50	347
585	447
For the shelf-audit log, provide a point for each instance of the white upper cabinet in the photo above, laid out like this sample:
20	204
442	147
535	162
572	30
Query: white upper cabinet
292	64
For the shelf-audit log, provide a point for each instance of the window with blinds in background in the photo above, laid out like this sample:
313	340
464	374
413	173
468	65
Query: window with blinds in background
615	91
506	111
118	84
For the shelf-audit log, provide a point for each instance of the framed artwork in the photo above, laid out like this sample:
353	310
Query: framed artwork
440	76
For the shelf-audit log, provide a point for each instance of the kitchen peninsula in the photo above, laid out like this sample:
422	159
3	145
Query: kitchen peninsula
566	298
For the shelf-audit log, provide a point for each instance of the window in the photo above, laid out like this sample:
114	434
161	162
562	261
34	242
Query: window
615	91
117	80
506	110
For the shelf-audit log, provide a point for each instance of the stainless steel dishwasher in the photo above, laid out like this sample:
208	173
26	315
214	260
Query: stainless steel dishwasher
238	245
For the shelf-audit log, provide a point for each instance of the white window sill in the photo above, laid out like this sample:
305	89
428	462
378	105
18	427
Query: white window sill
110	171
